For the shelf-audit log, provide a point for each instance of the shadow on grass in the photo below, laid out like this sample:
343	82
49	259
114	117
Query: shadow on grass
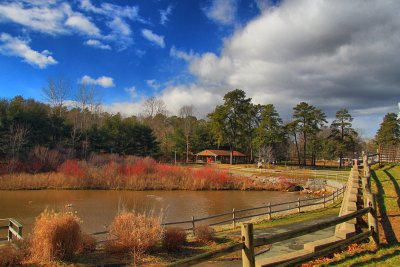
385	222
395	184
378	259
367	262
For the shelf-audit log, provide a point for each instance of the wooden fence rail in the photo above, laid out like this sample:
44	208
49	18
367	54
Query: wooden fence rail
13	227
248	247
268	210
248	242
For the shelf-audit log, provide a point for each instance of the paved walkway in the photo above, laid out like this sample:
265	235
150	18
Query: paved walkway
281	247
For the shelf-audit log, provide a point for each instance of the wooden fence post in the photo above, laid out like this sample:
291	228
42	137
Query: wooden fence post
269	210
333	197
298	204
193	226
248	259
373	219
233	219
9	231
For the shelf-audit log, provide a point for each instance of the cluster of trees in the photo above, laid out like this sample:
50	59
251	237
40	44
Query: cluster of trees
259	131
81	127
389	131
75	131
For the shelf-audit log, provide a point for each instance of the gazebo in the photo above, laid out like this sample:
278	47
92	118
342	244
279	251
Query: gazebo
220	156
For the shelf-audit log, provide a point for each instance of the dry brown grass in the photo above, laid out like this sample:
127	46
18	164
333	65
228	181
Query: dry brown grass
10	256
134	233
56	236
204	233
87	244
174	238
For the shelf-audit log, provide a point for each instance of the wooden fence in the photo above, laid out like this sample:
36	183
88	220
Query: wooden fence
265	210
389	153
13	228
248	242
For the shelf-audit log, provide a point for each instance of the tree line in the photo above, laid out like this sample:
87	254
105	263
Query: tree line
81	127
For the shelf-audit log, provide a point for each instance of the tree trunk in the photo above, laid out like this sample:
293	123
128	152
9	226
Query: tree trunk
305	152
297	148
231	155
187	148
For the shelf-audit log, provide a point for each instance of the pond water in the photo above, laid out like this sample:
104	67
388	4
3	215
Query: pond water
97	208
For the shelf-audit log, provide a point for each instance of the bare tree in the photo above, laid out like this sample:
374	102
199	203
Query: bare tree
88	103
18	137
56	93
266	153
153	106
186	113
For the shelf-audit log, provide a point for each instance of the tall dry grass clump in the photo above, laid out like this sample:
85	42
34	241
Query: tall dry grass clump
134	233
56	236
10	256
204	233
174	238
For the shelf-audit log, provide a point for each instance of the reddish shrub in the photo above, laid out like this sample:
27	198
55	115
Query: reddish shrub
164	170
204	233
138	166
111	169
174	238
214	177
72	167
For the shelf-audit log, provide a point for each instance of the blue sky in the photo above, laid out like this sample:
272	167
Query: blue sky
332	54
127	41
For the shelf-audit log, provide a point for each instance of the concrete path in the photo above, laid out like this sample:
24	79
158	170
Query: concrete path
284	246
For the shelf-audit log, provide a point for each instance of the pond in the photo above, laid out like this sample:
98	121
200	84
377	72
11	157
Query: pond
97	208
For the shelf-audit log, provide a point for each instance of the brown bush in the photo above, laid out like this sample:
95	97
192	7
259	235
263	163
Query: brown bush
10	256
134	233
56	236
174	238
87	244
204	233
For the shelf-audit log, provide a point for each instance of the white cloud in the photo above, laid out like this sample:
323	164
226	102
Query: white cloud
14	46
111	10
201	97
97	44
116	20
154	38
132	91
153	84
164	13
46	18
102	81
55	17
82	24
124	108
173	52
222	11
332	54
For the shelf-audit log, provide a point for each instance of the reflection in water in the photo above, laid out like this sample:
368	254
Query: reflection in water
98	208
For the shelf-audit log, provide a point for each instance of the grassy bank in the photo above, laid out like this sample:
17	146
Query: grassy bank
385	184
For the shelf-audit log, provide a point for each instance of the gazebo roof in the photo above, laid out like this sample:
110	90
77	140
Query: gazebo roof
214	153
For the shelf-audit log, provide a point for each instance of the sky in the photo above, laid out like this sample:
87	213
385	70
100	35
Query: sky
331	54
